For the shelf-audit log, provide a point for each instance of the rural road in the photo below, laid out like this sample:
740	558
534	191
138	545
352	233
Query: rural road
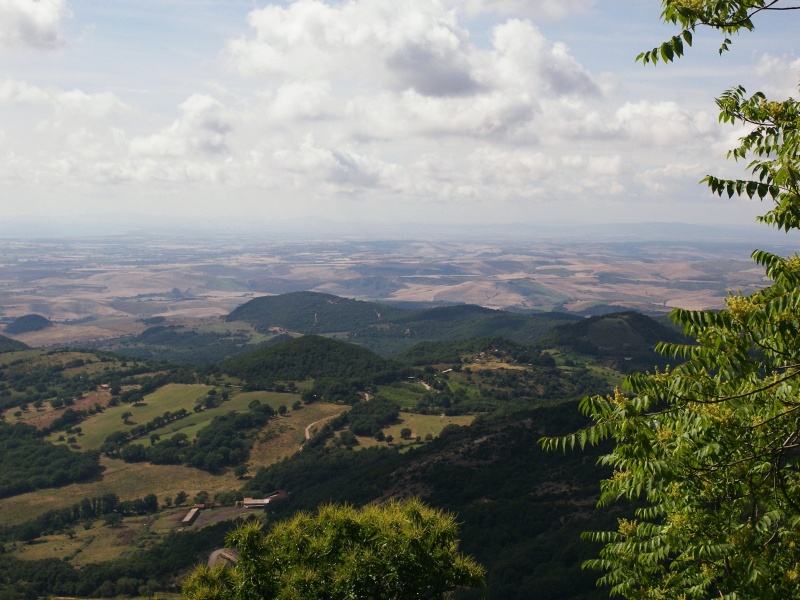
310	425
367	398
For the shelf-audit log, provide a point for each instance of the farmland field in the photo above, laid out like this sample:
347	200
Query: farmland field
171	397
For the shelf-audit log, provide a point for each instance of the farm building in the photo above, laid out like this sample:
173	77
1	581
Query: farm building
263	502
191	516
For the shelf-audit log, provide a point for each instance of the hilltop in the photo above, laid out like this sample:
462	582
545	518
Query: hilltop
307	357
27	324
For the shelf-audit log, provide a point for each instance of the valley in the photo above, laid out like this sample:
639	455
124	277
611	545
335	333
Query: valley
157	374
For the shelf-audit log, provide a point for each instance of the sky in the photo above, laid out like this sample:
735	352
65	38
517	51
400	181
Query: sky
470	112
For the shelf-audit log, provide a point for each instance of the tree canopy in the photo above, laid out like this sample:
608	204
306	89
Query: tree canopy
709	450
399	550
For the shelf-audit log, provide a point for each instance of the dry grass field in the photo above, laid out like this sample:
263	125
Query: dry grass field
198	281
420	426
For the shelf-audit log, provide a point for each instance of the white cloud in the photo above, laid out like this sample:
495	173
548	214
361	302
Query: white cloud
96	106
662	178
393	105
201	129
301	100
523	57
34	23
74	103
19	92
341	168
780	76
664	124
415	44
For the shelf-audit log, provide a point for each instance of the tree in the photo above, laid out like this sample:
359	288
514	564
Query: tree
125	416
709	450
397	550
405	433
180	498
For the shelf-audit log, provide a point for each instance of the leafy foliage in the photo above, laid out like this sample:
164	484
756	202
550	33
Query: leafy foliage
397	550
726	16
710	450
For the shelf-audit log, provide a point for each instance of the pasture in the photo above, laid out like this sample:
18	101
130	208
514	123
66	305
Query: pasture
171	397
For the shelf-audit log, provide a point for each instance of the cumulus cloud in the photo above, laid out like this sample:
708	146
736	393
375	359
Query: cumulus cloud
378	101
33	23
201	129
415	44
665	124
662	178
19	92
524	57
73	103
300	100
780	76
388	70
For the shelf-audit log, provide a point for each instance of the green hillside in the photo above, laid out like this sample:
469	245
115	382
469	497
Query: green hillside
312	312
626	339
386	330
431	353
9	345
192	345
307	357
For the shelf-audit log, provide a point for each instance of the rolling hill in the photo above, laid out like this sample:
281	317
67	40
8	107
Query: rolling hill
28	323
389	330
627	339
307	357
9	345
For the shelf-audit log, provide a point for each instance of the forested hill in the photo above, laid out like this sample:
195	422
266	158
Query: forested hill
310	356
9	345
312	312
389	330
627	339
437	353
28	323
